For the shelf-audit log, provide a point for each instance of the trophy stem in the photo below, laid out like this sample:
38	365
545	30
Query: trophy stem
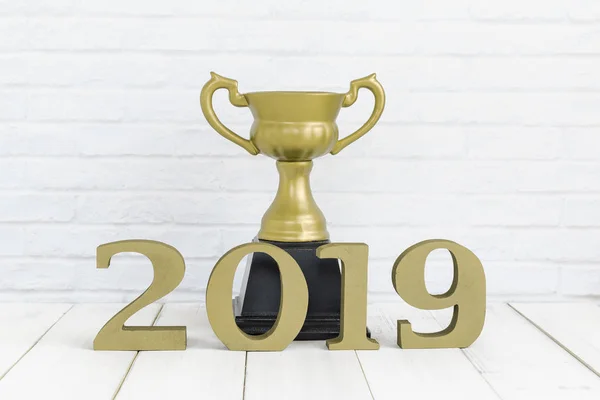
294	215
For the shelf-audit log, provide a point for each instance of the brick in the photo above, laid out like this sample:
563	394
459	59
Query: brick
431	142
580	143
515	143
518	278
584	10
580	280
36	208
53	105
567	177
12	240
489	10
57	7
582	212
14	33
391	210
548	109
13	70
557	245
523	211
101	139
96	70
81	241
13	105
157	207
423	176
131	274
479	72
132	174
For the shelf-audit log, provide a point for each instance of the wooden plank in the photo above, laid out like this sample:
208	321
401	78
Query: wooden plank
206	370
63	365
521	362
575	326
305	370
22	326
395	373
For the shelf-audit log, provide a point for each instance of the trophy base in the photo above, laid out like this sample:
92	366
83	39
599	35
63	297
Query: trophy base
313	329
257	306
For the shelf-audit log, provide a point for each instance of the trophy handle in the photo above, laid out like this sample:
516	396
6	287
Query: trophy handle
215	83
371	83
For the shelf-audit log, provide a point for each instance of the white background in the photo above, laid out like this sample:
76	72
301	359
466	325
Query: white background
490	136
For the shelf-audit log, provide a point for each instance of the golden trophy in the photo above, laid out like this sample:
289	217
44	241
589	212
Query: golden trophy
293	128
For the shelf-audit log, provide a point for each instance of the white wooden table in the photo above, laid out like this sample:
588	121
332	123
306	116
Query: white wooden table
526	351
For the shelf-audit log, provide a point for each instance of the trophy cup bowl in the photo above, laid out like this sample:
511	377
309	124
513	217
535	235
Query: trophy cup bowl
293	128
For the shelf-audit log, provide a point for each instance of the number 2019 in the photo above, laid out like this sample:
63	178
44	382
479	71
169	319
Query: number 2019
466	295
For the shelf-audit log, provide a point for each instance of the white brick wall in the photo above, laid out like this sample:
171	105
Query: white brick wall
490	136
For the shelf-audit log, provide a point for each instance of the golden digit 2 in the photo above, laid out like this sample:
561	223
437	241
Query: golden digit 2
466	295
169	268
292	306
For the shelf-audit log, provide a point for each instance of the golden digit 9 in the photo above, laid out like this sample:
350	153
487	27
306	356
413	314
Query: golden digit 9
169	269
466	295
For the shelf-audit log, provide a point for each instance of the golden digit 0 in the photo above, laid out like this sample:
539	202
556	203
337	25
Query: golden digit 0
353	317
467	295
169	269
292	308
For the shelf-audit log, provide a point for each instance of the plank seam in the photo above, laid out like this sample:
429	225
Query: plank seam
480	372
364	375
37	341
245	373
134	358
475	367
564	347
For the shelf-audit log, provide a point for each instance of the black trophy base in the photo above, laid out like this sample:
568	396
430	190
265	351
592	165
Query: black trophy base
313	328
258	304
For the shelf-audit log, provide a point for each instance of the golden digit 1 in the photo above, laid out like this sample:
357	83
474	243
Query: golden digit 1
467	295
292	306
353	317
169	268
